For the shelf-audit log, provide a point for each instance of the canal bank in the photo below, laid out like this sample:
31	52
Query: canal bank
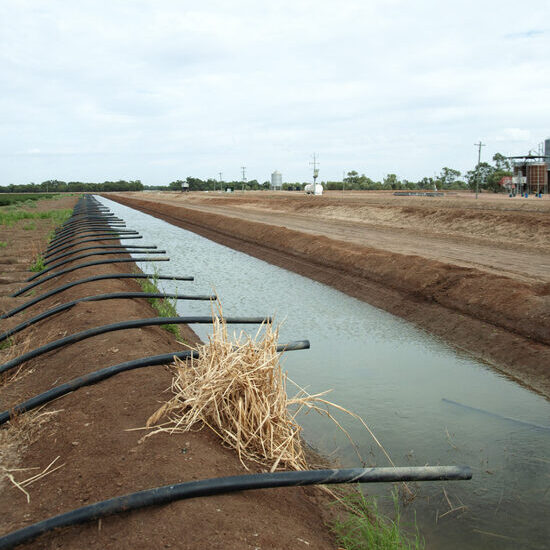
404	382
502	322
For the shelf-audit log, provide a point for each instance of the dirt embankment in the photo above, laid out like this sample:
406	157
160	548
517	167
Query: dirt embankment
94	434
499	319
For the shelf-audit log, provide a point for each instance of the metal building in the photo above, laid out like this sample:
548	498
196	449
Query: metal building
276	180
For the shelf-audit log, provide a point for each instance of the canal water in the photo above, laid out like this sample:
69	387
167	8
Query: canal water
426	402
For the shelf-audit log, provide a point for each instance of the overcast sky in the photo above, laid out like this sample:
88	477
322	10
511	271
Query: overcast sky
160	90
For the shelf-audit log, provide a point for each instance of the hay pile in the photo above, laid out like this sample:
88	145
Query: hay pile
238	389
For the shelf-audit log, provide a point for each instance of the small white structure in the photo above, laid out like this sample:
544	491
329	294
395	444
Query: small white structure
276	181
313	189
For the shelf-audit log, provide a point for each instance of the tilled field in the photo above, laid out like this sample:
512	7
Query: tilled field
87	444
488	292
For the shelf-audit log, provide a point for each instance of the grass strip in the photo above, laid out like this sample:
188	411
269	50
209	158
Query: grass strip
163	306
365	527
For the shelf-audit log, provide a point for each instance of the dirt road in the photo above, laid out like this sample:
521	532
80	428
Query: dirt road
516	255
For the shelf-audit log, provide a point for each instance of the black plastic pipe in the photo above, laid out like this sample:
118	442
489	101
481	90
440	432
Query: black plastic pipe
71	233
88	264
123	325
87	255
48	254
98	233
80	227
97	298
70	239
101	246
223	485
108	372
66	286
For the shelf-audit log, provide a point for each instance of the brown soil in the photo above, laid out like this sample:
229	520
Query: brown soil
96	435
501	315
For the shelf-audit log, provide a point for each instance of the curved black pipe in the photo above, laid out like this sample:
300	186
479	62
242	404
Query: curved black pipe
66	286
96	233
97	298
223	485
89	264
123	325
87	255
88	228
48	254
100	246
81	227
103	374
70	239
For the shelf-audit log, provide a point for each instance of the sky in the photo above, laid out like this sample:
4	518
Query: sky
161	90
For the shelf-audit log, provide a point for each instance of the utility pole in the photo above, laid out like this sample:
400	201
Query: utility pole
315	170
221	186
243	168
479	146
343	181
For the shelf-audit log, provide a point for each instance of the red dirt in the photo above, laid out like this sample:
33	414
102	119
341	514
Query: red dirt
500	319
94	435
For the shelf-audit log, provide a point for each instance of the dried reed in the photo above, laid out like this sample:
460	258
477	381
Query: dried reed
238	390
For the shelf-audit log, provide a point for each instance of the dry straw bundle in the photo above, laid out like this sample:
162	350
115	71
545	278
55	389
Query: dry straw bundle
238	389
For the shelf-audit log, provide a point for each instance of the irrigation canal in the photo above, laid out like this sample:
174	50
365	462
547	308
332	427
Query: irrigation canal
410	388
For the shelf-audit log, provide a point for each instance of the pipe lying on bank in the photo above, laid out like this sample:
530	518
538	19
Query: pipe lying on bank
66	286
131	249
104	232
224	485
108	372
73	231
124	325
98	298
99	239
81	266
87	255
107	233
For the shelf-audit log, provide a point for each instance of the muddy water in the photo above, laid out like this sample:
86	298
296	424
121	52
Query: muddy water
427	403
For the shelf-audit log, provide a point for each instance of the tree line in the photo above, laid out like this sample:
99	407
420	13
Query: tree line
58	186
488	175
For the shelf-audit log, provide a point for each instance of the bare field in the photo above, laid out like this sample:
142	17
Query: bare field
494	233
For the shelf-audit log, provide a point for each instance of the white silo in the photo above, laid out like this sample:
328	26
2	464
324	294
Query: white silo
276	180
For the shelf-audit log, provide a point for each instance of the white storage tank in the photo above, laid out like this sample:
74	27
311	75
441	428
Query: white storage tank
276	180
313	189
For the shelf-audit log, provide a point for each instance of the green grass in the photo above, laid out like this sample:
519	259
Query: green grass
27	198
366	528
10	216
5	344
29	226
163	306
38	264
3	244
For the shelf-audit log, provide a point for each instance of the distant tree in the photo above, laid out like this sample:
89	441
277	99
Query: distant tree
448	176
391	181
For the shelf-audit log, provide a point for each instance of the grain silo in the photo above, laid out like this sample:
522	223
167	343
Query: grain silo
276	180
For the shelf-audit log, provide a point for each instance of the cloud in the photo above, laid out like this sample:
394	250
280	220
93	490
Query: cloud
164	90
514	134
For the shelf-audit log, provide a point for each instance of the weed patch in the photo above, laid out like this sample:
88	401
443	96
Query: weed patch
163	306
365	527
